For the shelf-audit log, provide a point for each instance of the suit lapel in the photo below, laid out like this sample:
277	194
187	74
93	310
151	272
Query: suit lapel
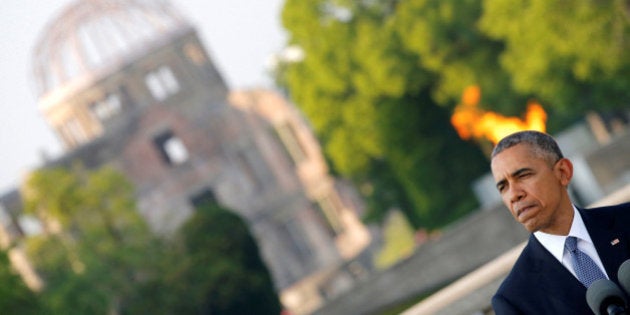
549	287
557	284
609	240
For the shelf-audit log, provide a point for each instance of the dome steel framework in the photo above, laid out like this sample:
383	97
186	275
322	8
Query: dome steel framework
90	36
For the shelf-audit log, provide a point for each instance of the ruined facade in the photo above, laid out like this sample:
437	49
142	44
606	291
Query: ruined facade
129	84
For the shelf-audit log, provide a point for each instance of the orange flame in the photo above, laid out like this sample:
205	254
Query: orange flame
470	121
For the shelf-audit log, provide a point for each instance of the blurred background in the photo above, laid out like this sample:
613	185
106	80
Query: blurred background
243	35
290	157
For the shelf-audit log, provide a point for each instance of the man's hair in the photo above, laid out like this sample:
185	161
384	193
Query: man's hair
543	145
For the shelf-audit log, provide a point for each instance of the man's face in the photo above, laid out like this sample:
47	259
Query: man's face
531	188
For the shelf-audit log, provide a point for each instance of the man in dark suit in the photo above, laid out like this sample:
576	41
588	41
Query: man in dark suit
532	177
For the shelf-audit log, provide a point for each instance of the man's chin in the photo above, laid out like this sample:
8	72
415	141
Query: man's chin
531	227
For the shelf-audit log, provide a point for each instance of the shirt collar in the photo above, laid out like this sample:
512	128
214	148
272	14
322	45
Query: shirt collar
555	243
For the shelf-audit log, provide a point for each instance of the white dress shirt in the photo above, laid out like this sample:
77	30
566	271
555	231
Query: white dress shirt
555	244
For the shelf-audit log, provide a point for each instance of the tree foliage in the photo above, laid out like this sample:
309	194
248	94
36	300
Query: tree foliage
96	254
226	270
573	55
15	297
369	101
93	244
214	268
379	81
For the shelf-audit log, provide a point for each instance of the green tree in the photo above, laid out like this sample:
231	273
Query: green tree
370	102
15	297
213	268
97	255
445	38
573	55
94	243
379	80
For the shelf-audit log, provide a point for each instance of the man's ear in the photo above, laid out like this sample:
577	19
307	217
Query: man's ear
564	171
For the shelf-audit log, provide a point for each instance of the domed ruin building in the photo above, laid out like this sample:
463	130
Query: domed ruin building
128	83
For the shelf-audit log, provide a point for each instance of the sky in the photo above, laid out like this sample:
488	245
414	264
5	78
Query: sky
240	36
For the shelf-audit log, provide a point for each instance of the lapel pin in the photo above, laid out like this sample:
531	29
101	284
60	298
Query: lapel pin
614	242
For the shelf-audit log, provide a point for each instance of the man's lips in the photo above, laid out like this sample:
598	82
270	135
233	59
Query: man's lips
521	211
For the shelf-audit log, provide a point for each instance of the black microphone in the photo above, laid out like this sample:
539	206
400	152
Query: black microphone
605	298
623	274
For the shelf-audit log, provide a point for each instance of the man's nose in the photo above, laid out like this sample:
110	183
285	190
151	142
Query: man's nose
516	193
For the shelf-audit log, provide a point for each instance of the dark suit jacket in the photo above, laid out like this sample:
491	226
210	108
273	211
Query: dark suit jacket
540	284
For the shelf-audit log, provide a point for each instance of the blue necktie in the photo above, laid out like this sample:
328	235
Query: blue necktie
585	268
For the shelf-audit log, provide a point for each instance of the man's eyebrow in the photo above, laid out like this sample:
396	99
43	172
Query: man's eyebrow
514	174
520	171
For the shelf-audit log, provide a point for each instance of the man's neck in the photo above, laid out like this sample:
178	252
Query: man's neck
562	222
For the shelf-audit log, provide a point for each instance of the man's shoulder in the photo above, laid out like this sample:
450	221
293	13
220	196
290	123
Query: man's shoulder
539	284
622	208
515	291
619	211
518	277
